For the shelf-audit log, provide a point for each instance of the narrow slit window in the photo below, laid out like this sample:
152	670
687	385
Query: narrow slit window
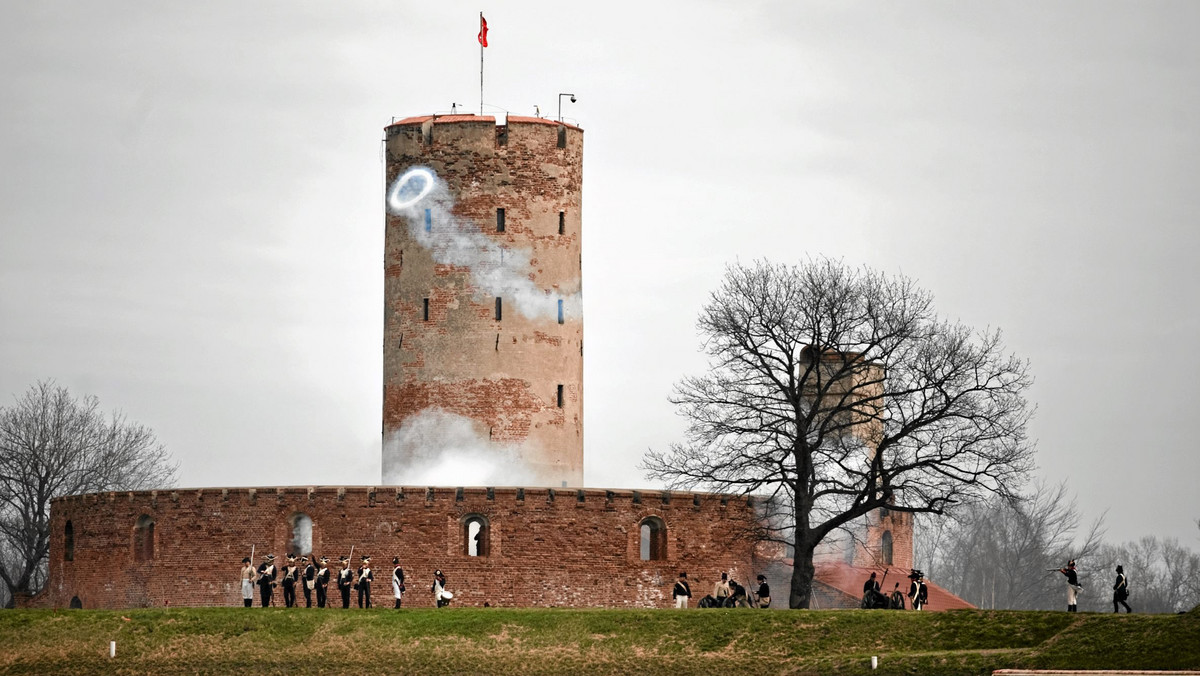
500	220
69	542
560	396
562	222
562	136
499	309
428	220
425	311
560	311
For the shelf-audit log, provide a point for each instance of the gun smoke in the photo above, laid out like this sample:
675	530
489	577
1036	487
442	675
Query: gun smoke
427	206
439	448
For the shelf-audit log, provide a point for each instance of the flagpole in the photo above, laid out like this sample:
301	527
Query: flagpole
481	65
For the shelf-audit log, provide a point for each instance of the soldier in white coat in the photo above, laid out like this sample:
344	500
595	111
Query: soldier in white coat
248	575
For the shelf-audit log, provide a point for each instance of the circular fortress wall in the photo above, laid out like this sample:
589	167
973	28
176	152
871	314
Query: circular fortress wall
483	322
536	547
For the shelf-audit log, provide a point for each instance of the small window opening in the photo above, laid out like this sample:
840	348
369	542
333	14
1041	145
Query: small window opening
428	220
499	309
654	539
560	396
562	136
301	539
69	542
76	604
562	222
425	310
143	539
560	311
476	531
886	547
500	220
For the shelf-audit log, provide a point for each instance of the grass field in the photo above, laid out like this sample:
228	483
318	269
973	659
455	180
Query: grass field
560	641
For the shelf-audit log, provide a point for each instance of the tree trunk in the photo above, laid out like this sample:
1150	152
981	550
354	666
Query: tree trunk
802	577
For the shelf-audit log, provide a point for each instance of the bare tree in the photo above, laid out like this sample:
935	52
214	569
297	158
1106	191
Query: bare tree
836	391
53	444
998	553
1163	576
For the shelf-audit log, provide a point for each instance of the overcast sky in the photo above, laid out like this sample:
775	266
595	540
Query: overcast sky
192	206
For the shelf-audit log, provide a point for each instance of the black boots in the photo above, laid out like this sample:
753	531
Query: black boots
397	604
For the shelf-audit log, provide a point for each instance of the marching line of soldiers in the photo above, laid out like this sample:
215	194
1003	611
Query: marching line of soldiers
267	576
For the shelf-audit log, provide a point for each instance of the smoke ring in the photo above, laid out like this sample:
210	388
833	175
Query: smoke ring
395	203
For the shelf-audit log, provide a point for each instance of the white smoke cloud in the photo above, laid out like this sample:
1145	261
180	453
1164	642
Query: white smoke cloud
424	201
439	448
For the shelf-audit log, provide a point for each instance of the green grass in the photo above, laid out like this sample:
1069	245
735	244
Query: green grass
556	641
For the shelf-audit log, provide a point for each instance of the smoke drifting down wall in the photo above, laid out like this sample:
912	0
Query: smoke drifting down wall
427	206
440	448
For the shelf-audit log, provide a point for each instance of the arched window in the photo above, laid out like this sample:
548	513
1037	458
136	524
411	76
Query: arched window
885	547
69	542
143	539
300	540
654	539
476	536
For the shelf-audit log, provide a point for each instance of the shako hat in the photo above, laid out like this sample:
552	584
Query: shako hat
396	560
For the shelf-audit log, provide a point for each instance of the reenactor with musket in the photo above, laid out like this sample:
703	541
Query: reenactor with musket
248	576
365	578
267	572
307	580
323	582
290	573
345	580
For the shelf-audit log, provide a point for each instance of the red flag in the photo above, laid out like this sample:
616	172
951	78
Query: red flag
482	31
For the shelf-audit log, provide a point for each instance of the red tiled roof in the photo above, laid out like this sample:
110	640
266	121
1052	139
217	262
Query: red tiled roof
840	584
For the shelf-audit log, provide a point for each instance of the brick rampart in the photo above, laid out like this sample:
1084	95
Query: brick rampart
545	547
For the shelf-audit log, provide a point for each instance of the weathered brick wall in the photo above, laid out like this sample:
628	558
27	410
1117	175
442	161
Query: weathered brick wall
502	375
573	549
868	551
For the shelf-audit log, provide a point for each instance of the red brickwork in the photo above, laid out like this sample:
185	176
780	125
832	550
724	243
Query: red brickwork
550	548
870	551
502	375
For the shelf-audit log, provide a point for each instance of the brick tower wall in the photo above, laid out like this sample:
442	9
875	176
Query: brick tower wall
869	551
543	547
502	375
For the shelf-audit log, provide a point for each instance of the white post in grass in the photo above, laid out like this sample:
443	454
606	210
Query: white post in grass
874	662
112	648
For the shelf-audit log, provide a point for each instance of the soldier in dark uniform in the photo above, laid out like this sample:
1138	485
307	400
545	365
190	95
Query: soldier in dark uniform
345	580
397	581
322	582
764	592
1121	591
307	580
290	573
1073	586
267	572
365	578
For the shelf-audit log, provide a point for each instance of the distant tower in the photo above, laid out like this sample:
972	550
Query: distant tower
485	327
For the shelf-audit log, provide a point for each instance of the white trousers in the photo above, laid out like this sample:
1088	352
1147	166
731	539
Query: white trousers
1072	594
681	601
247	589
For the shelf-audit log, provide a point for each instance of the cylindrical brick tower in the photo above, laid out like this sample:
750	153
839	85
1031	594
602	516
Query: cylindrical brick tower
483	323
